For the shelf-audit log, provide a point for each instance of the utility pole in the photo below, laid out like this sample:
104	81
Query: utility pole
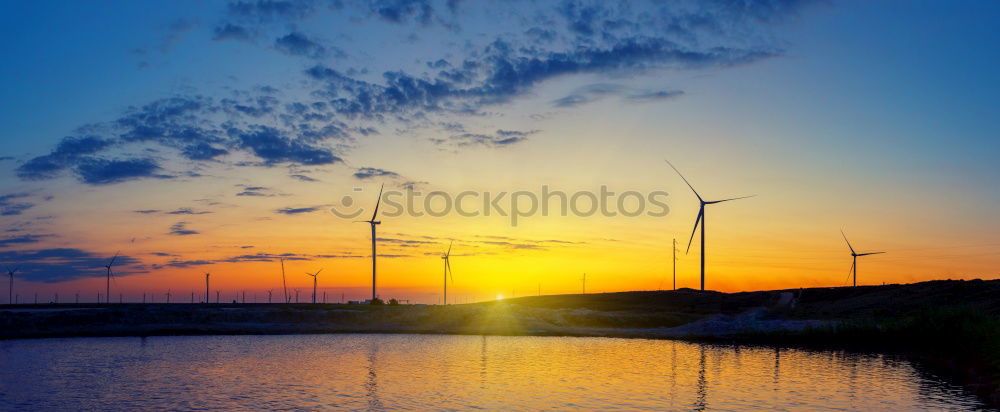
675	263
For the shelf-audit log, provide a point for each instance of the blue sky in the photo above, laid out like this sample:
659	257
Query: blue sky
830	109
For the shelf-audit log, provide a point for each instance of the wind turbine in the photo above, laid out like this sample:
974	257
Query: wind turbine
315	277
207	275
854	257
374	222
284	285
108	266
447	271
701	219
10	290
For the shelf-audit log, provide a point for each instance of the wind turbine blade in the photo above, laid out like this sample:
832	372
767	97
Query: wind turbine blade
378	201
114	258
701	212
449	248
870	253
848	241
726	200
451	274
849	273
317	272
683	178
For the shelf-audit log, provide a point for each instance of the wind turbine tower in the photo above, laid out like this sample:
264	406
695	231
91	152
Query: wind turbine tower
315	277
447	271
107	291
10	289
701	219
373	223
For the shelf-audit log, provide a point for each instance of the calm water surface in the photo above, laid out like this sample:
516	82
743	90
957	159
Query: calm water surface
452	372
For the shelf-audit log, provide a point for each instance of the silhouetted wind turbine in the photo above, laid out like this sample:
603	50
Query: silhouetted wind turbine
10	290
207	275
108	287
315	277
374	222
854	257
447	271
701	219
284	285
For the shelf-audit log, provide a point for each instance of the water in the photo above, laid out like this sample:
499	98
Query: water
452	372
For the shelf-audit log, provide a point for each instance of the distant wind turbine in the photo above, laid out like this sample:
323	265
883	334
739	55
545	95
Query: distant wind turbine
108	287
701	219
315	277
284	285
447	271
854	258
207	275
374	222
10	289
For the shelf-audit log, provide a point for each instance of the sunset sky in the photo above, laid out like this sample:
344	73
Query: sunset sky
213	137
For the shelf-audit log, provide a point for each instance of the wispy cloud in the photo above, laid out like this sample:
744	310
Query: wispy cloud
180	229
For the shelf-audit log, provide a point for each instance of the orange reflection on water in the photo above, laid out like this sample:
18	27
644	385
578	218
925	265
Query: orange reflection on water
435	372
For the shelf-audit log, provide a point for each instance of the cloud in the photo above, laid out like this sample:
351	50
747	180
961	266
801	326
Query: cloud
405	241
102	171
68	153
400	11
273	146
588	94
653	95
10	205
180	229
187	211
412	184
372	172
595	92
271	10
255	191
257	257
231	31
202	151
298	44
147	211
337	105
22	240
303	178
499	139
296	210
64	264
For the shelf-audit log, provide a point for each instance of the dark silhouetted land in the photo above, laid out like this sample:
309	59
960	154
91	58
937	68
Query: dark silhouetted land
951	325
